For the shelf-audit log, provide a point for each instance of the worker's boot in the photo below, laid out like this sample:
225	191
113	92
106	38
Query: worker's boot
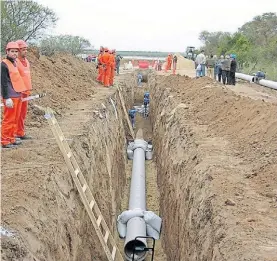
25	137
8	146
17	142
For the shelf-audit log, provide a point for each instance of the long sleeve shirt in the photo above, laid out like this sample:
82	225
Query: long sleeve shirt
7	90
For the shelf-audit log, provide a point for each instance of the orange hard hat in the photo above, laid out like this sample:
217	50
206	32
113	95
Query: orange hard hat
22	44
12	45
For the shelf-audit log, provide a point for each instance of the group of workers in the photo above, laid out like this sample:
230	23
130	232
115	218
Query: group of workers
222	69
108	62
170	63
145	113
15	87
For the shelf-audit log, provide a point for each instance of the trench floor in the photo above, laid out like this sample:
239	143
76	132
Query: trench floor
152	190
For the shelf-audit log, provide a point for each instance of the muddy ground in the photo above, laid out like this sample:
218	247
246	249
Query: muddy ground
213	177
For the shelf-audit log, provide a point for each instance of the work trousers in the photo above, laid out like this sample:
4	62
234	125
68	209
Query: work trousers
203	68
10	122
219	75
225	77
20	130
107	75
210	72
232	78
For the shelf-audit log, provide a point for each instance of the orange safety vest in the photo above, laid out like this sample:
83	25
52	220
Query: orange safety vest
25	73
16	79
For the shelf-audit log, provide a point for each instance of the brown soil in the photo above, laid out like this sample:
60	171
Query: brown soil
217	171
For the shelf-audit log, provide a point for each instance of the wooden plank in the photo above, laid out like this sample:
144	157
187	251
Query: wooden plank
99	220
106	236
84	188
91	204
126	114
113	252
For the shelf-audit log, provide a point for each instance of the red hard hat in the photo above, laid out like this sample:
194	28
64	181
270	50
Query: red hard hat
12	45
22	44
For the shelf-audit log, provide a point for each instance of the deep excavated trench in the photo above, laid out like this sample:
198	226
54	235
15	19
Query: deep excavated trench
193	174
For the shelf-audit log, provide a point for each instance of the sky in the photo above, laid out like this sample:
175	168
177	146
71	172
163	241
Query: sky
151	25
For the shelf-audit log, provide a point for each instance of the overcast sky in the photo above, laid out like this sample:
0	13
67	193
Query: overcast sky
150	24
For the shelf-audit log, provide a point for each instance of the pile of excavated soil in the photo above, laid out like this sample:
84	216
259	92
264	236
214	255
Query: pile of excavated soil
217	160
64	78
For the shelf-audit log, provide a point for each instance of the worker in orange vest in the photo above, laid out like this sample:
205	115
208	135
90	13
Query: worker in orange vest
12	86
24	70
100	77
168	62
106	61
113	68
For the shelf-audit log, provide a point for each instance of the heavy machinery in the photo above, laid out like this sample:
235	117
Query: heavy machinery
190	53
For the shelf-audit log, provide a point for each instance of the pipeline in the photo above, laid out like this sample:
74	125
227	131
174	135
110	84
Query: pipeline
136	226
245	77
254	79
269	84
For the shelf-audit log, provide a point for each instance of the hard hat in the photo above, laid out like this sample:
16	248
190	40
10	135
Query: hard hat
22	44
12	45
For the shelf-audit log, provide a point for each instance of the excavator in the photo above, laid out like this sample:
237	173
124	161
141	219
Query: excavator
190	53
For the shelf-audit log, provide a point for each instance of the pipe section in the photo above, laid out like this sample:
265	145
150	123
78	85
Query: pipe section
245	77
136	226
269	84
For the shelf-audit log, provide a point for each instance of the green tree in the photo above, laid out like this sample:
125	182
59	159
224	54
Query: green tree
25	20
64	43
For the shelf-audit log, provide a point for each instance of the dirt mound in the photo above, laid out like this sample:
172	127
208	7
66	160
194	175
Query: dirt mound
64	78
217	171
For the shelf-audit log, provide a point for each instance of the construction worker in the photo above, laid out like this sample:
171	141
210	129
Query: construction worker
117	61
140	78
219	66
112	61
210	63
168	63
233	69
100	77
226	63
174	63
24	70
106	61
132	114
12	86
146	101
201	59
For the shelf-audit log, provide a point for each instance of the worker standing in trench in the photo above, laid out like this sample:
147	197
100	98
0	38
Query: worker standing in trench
12	86
24	70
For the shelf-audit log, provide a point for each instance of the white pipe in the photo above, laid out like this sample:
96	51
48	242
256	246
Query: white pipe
245	77
136	226
269	84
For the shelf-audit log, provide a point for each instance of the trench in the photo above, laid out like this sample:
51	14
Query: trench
180	182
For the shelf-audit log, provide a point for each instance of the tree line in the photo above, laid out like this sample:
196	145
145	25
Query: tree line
29	21
254	43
